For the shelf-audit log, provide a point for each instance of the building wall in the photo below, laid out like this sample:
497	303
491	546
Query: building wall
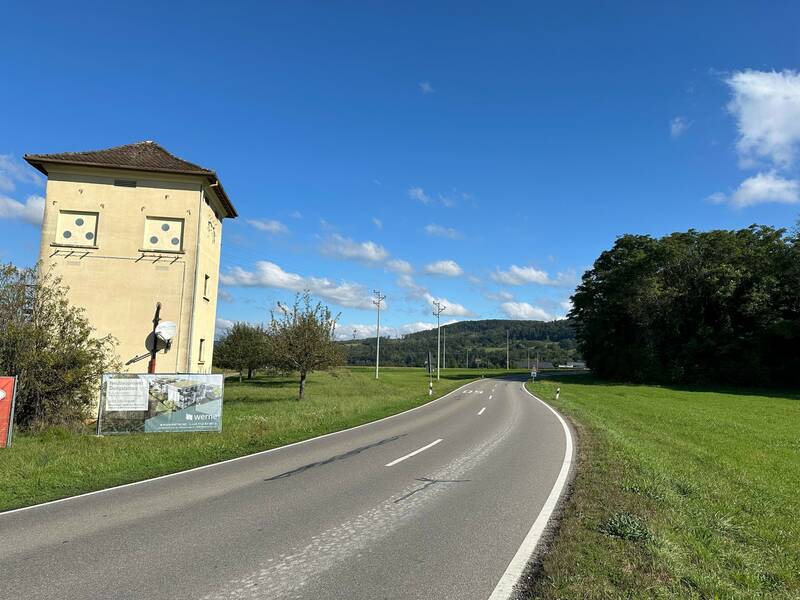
208	256
118	280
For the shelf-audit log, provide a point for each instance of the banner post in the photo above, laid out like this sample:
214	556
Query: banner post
8	400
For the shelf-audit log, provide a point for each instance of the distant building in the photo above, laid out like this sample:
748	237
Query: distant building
128	227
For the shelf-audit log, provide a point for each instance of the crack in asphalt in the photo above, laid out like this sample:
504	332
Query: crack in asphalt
429	483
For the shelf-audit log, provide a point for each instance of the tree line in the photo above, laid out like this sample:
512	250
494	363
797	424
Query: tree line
299	338
473	344
694	307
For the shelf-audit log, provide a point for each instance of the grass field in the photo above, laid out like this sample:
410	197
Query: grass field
679	493
257	415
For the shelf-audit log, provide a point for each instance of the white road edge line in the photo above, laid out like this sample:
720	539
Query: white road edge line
504	590
480	412
230	460
414	453
490	396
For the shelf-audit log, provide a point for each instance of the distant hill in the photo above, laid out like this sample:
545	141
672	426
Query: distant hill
484	340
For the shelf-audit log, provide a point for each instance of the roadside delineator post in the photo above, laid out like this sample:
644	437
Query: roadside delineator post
558	392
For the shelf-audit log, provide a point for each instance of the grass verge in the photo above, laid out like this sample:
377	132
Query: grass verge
257	415
679	493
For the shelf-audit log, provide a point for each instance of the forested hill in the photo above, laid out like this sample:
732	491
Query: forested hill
484	342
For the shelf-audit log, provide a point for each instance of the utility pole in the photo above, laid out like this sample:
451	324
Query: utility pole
440	308
377	302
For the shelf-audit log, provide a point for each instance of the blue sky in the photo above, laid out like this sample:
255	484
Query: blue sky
482	154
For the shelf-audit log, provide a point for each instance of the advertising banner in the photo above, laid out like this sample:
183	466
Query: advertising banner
8	390
160	403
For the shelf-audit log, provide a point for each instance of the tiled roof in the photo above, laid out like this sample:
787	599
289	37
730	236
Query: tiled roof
141	156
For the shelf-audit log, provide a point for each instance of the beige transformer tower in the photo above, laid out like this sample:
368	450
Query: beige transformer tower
131	226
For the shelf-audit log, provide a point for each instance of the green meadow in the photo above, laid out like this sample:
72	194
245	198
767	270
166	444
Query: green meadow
679	493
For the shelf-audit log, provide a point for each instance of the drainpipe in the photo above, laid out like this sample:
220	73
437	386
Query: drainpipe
196	274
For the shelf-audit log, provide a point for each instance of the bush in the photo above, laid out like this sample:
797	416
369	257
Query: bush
49	345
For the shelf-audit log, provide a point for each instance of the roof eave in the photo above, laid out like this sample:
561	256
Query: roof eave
39	162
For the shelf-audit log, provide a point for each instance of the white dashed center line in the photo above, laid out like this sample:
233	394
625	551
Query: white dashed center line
480	412
414	453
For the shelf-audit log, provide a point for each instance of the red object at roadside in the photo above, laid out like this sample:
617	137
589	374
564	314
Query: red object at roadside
8	388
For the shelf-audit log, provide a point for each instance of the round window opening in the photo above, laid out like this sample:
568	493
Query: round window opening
165	227
67	234
175	241
153	240
89	235
78	222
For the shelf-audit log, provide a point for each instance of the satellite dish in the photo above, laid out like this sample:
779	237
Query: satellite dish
166	330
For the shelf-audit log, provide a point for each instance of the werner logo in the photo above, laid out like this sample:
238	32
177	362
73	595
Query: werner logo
190	417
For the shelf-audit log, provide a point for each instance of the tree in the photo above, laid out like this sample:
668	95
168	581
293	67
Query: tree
50	346
243	347
694	307
301	338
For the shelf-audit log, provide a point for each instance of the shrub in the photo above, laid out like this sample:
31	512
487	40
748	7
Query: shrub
50	346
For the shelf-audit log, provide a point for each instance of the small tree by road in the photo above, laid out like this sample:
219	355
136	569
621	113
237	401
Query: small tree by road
301	338
243	347
51	347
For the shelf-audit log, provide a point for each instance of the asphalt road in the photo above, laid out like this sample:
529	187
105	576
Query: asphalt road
353	515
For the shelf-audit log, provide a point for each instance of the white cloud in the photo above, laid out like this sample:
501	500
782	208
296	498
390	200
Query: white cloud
566	305
678	126
13	171
759	189
523	310
270	226
418	291
501	295
296	214
766	106
445	268
225	295
414	327
361	331
268	274
717	198
221	326
453	309
417	193
521	275
440	231
342	247
30	212
425	87
398	265
448	200
377	222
